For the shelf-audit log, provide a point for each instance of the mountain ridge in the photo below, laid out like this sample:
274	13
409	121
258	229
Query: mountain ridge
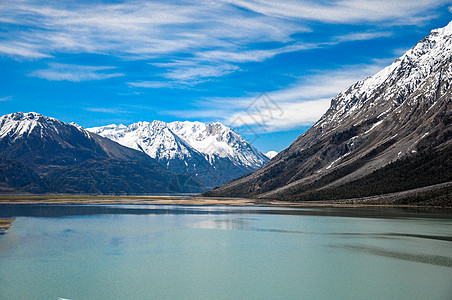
61	157
212	153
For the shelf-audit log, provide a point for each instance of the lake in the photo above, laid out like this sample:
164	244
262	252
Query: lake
211	252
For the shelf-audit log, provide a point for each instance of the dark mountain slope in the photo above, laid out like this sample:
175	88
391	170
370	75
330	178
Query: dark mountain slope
15	176
109	176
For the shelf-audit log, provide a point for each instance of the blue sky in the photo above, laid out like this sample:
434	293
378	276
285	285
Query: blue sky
102	62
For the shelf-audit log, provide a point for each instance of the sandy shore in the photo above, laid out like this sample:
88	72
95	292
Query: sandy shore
442	191
109	200
5	224
178	200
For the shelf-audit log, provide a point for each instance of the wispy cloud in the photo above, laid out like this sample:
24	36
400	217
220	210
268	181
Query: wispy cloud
300	104
362	36
152	84
400	51
106	110
18	49
75	73
196	114
346	11
190	72
254	55
293	115
6	98
184	73
214	37
139	29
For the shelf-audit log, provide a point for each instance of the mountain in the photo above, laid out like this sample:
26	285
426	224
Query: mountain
42	154
14	177
211	153
387	133
271	154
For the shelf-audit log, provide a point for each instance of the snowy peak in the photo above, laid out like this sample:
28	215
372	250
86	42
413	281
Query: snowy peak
445	31
153	138
271	154
213	153
400	79
17	125
179	139
218	140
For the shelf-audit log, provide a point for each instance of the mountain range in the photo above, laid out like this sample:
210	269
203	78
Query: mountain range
211	153
385	134
41	154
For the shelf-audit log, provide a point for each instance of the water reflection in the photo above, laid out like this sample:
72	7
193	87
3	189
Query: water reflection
229	224
245	225
436	260
397	235
53	210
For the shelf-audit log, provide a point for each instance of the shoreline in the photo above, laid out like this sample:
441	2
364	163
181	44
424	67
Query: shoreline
5	224
195	201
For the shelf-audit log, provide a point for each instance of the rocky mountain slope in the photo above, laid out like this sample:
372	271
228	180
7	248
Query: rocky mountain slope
211	153
42	154
387	133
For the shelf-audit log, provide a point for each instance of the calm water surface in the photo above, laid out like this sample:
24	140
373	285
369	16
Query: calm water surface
177	252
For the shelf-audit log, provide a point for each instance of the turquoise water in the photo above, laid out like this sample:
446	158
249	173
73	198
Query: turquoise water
174	252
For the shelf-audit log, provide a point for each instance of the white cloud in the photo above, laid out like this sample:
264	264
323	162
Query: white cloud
362	36
18	49
184	73
190	74
6	98
346	11
298	105
152	84
75	73
105	110
140	29
305	102
400	51
253	55
293	115
195	114
214	36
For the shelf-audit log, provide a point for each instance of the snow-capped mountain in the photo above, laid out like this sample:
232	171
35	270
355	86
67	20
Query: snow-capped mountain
61	157
271	154
389	88
213	153
398	119
17	125
216	140
153	138
43	142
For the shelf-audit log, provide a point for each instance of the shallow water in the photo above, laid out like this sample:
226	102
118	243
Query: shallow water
180	252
